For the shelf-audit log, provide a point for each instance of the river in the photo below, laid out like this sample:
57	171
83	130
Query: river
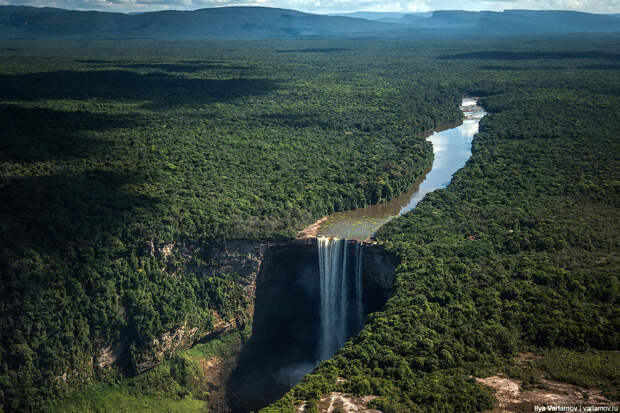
451	149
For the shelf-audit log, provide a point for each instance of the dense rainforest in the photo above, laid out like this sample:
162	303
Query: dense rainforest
115	153
106	161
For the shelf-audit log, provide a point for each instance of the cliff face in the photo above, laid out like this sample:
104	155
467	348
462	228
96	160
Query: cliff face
239	257
378	272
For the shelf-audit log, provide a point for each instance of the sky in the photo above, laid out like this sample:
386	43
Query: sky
329	6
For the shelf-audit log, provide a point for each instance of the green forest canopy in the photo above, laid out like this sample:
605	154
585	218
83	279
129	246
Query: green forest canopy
109	146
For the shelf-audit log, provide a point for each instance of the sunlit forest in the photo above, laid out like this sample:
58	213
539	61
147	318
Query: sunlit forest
121	161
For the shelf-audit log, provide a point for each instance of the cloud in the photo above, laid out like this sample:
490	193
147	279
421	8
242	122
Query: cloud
594	6
331	6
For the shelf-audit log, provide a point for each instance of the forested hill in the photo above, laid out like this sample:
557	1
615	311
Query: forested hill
221	21
263	22
524	22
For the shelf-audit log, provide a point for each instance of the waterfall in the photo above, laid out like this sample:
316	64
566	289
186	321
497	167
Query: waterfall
342	324
359	307
340	315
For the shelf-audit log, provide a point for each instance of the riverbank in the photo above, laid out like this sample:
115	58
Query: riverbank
451	149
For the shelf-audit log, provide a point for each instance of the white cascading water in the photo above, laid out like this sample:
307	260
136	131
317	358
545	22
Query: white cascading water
337	314
342	310
358	285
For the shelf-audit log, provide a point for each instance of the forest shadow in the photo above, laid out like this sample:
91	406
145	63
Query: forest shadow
521	68
323	50
48	213
36	134
186	68
162	90
494	55
183	67
600	67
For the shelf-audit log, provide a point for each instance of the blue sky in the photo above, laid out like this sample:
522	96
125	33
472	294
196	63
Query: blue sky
331	6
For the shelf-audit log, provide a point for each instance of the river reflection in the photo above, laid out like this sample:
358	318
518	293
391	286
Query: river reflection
451	147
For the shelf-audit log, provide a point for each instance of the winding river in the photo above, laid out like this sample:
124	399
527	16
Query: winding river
451	148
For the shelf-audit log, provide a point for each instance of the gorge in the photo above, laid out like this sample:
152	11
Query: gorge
290	335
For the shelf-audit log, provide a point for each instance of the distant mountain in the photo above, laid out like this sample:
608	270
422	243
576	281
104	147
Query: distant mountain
413	18
451	19
507	22
401	18
521	22
371	15
221	21
263	22
17	20
550	21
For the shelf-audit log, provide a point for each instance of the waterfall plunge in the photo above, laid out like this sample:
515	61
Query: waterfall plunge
340	316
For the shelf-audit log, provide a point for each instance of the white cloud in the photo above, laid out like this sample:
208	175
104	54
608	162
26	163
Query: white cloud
593	6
